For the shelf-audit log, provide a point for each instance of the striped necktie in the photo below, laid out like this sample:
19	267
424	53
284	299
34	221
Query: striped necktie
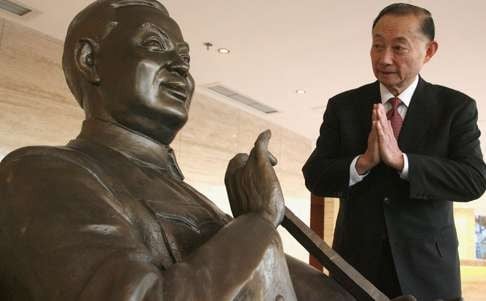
394	117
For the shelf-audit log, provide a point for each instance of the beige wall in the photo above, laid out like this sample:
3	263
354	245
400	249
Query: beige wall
35	105
465	226
36	108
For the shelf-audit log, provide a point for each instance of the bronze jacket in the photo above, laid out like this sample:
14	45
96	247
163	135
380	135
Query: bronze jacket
108	217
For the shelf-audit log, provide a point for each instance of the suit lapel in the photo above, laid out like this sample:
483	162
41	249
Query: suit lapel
417	119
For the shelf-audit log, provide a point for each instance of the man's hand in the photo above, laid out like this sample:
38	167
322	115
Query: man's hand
390	152
252	184
371	157
405	298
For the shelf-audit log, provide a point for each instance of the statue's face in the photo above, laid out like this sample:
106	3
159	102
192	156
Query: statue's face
144	70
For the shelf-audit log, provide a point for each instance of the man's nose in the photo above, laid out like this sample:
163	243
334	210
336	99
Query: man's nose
386	57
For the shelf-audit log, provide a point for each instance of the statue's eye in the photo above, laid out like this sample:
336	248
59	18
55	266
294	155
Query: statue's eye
154	44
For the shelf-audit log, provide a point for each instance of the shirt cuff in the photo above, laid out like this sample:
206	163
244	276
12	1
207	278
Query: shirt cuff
355	177
404	172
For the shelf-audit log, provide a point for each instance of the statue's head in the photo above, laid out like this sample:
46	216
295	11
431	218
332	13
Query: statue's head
126	62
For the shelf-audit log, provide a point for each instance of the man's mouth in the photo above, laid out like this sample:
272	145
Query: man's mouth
177	90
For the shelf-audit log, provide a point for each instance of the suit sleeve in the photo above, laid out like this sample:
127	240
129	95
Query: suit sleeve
67	237
326	172
461	176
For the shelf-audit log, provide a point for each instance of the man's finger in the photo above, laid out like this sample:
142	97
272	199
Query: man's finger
373	127
374	113
406	298
384	122
379	130
390	130
381	108
381	113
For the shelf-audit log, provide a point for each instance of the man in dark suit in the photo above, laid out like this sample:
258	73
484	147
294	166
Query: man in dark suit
397	152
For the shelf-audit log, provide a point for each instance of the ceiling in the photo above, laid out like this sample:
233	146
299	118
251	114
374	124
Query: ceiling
320	46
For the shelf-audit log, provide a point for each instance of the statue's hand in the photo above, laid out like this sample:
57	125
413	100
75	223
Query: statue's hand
252	184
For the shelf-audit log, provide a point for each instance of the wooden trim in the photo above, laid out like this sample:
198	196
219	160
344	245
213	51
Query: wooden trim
317	224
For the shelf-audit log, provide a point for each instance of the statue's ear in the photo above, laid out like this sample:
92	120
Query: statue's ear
85	56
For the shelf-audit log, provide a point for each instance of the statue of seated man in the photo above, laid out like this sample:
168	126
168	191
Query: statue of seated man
108	217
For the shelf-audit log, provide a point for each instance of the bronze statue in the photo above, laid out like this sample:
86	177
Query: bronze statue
109	217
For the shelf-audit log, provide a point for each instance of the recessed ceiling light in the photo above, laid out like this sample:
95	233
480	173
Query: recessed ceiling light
14	7
300	91
224	50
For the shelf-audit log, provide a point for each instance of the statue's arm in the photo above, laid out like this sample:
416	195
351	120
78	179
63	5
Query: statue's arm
226	263
311	284
64	227
216	271
247	246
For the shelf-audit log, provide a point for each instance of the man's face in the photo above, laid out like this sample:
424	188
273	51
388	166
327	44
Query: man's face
144	70
399	50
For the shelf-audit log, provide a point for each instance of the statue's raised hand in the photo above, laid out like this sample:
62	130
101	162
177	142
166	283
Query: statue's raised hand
252	184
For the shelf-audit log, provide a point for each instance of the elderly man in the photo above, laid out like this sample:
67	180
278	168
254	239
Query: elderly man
397	152
109	217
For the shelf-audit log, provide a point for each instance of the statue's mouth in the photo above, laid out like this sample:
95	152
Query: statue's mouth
177	90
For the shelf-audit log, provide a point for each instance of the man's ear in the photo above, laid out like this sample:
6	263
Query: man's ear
430	51
85	56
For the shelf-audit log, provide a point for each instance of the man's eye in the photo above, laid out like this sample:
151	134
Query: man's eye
399	48
154	44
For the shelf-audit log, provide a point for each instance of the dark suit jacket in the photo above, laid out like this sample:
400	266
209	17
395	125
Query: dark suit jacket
440	137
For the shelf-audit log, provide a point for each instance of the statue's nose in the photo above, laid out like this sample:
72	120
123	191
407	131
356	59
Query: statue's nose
180	67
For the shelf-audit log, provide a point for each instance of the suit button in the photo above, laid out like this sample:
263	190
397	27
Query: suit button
387	200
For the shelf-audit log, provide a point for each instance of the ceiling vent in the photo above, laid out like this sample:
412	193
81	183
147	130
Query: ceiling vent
14	8
235	96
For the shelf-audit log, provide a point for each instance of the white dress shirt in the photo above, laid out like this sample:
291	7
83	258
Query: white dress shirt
405	98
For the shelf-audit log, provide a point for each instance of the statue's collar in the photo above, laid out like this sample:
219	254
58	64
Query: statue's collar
141	149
